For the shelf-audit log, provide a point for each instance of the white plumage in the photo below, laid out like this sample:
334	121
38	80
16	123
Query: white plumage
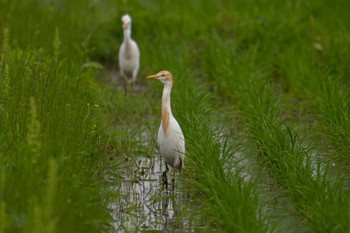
129	53
171	140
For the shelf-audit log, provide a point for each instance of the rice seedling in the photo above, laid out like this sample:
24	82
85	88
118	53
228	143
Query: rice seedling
258	86
219	178
49	147
285	151
327	99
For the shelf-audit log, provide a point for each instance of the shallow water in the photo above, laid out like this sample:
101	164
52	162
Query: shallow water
143	204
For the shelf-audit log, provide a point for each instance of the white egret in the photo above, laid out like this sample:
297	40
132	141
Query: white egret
129	54
171	140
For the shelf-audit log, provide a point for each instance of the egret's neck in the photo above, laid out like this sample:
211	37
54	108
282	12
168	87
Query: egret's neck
166	98
127	35
127	42
166	108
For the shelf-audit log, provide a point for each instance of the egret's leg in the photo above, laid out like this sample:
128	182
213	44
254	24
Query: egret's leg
166	167
122	77
125	89
173	180
125	83
165	176
133	80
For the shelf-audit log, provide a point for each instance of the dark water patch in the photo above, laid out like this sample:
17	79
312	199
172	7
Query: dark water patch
143	204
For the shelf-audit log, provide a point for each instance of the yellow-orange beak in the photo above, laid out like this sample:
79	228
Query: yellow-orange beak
152	76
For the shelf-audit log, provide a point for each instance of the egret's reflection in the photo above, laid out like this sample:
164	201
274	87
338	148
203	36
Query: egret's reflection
143	204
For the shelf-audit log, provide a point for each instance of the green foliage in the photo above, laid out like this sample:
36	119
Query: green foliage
48	151
253	76
231	200
261	93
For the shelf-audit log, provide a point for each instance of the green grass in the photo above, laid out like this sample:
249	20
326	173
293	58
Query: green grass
49	149
220	178
261	93
325	93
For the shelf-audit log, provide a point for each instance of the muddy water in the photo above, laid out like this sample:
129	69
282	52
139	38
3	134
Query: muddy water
144	204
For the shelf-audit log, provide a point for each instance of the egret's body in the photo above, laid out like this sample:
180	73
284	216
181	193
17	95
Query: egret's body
171	140
129	54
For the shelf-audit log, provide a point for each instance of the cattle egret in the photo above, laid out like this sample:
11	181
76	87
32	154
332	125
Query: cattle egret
171	140
129	54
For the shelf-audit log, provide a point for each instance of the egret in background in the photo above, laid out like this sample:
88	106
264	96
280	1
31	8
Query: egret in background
129	55
171	140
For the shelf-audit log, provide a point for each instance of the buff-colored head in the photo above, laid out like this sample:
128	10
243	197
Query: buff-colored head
126	19
164	76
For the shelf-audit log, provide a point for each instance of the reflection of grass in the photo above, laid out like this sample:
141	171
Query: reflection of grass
258	72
